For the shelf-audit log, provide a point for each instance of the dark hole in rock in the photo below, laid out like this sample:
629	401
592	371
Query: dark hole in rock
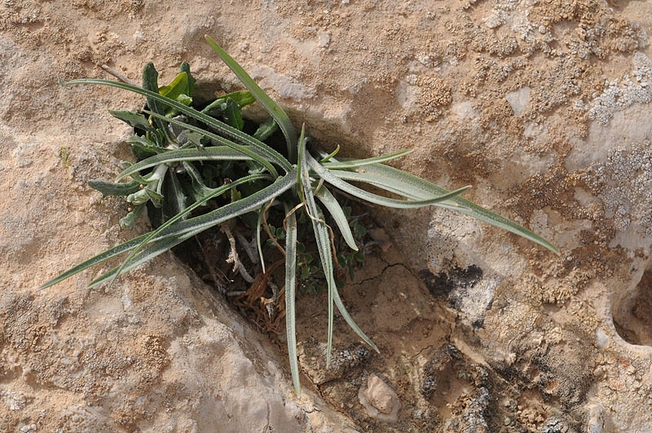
633	315
454	285
444	283
212	256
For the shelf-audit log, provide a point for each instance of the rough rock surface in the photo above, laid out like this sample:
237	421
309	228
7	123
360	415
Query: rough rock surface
542	105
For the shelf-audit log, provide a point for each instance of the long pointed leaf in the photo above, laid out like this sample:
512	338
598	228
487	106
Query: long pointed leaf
357	163
222	127
387	177
183	230
217	192
388	185
323	241
154	250
242	206
375	198
150	83
272	107
349	320
336	211
290	287
259	154
96	260
213	153
189	227
322	237
323	245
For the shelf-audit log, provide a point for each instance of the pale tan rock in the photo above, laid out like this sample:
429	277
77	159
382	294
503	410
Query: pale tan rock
380	401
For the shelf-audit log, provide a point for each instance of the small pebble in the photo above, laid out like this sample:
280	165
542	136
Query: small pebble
380	401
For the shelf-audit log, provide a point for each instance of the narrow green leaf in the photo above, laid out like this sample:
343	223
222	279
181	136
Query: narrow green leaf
330	156
143	147
356	163
349	320
272	107
241	97
197	185
390	185
96	260
266	129
185	67
290	287
175	197
375	198
155	197
156	249
323	241
250	203
334	208
259	245
150	83
213	153
408	185
258	154
233	114
132	119
223	128
323	246
180	215
114	189
320	230
189	227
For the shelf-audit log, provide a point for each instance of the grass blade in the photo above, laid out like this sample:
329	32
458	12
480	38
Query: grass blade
387	177
214	153
375	198
222	127
290	287
260	154
272	107
189	227
336	211
357	163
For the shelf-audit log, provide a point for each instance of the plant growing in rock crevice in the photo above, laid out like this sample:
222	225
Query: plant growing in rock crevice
189	158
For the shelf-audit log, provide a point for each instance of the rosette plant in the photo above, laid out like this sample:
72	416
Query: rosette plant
188	157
